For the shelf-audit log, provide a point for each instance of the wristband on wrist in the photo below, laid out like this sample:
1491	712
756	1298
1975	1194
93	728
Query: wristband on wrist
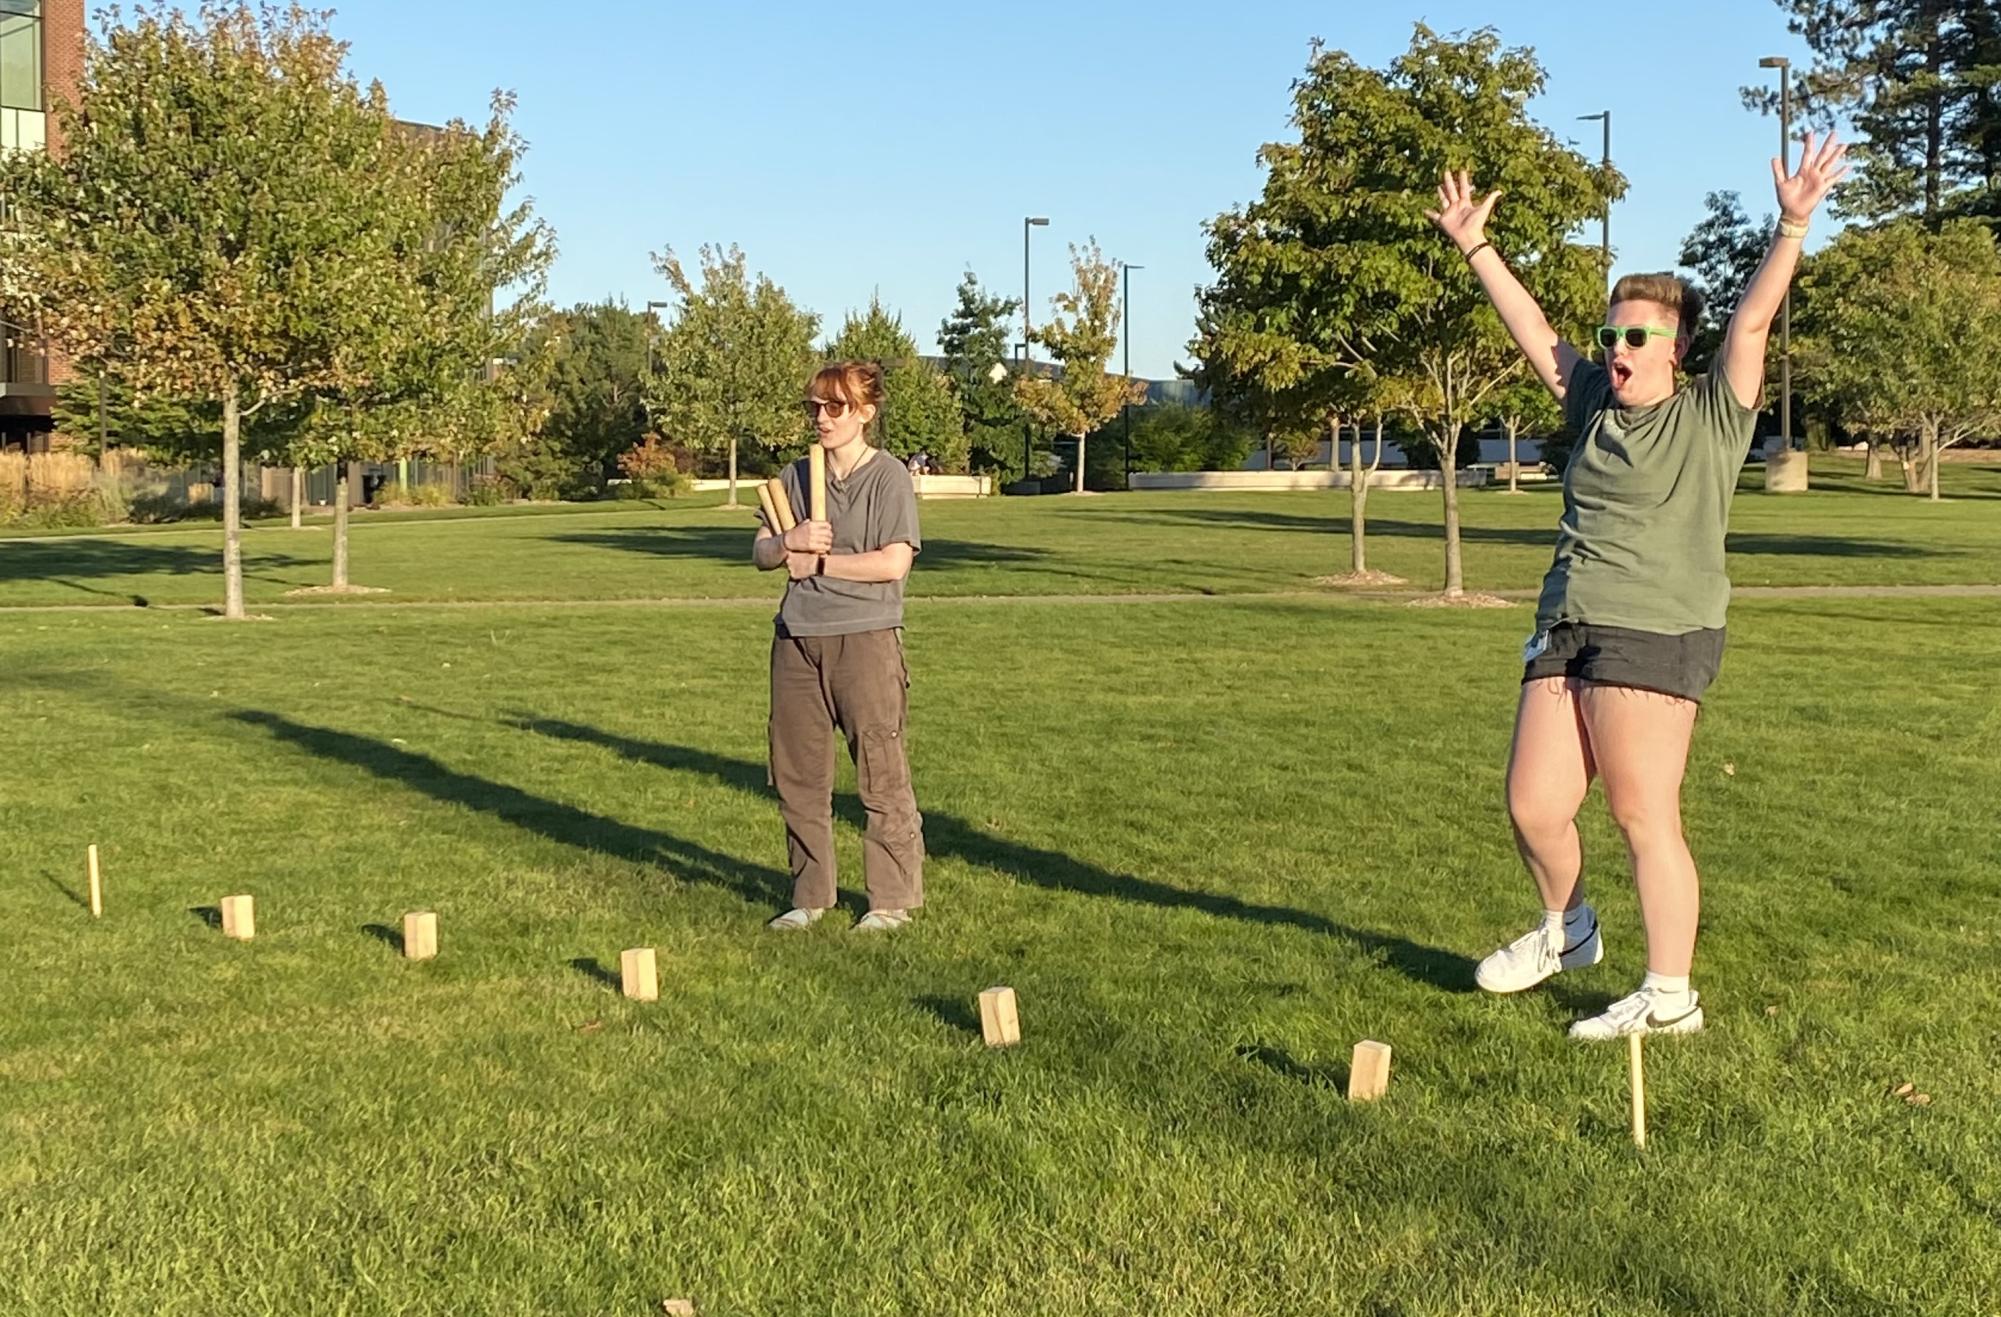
1791	229
1476	250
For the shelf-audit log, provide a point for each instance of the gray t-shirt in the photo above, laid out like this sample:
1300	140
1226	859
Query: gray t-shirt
874	506
1646	505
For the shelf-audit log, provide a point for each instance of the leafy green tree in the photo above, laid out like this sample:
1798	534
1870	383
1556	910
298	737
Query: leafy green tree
1524	407
919	412
974	339
1173	436
1721	253
1905	331
1335	269
600	356
215	227
733	364
1917	79
1084	394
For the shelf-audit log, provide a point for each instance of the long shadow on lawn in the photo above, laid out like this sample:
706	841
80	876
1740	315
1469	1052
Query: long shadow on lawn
732	545
948	836
1753	544
558	822
69	561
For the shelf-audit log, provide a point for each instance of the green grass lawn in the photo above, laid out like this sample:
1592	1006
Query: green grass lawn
1845	532
1210	844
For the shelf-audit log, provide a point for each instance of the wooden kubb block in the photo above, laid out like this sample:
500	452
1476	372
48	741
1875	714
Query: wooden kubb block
1000	1023
239	918
1369	1074
638	974
420	935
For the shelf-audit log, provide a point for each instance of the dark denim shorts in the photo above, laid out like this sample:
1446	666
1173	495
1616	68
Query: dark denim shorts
1681	665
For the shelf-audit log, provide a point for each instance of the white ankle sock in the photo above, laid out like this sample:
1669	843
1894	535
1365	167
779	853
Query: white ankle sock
1670	989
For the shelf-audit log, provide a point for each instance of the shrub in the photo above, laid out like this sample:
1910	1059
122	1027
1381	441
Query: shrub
395	495
489	492
651	471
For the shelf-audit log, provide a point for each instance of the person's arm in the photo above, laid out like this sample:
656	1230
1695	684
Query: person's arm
809	538
1464	220
1743	355
889	563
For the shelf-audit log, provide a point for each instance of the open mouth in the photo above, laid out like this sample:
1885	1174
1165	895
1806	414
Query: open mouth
1622	374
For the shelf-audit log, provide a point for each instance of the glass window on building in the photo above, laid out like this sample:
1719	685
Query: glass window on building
21	54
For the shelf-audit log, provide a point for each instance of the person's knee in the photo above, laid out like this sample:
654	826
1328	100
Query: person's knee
1645	818
1539	814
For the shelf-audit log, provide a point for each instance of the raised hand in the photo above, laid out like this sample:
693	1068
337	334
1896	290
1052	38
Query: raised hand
1461	216
1819	170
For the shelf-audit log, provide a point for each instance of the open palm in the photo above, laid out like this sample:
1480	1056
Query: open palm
1801	193
1461	216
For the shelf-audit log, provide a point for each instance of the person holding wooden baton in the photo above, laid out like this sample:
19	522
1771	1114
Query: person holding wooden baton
837	659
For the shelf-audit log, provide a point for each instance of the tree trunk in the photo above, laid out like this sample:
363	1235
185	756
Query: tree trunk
232	505
1358	504
732	471
1913	475
1931	474
1514	486
298	495
342	474
1874	471
1080	464
1448	467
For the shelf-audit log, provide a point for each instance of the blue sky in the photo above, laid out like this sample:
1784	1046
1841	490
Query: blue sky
886	148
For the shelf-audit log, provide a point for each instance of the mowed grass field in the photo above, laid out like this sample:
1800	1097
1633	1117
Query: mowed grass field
1211	842
1847	532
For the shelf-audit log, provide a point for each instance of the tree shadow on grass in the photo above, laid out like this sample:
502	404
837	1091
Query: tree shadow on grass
731	545
946	836
68	561
686	860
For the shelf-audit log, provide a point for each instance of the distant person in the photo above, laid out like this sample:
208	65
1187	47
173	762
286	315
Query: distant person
837	659
1629	628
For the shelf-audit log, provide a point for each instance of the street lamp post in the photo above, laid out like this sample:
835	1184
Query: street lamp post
1027	426
1605	161
1785	68
1126	321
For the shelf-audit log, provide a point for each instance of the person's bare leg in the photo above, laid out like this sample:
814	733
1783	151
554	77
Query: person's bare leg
1549	771
1640	741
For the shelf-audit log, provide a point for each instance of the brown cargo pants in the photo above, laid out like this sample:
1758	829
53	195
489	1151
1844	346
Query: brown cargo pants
859	684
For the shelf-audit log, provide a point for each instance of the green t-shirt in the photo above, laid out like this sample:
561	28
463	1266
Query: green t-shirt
1646	504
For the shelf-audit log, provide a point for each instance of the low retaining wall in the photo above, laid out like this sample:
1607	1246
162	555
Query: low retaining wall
926	486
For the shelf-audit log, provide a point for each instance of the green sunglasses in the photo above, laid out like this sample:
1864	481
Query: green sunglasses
1636	336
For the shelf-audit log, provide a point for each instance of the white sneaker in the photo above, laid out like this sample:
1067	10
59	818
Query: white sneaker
881	921
1638	1014
794	921
1535	956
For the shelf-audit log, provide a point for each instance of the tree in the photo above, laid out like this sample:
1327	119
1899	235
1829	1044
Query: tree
1722	253
1084	394
919	412
974	339
1918	80
214	228
733	363
429	377
597	409
1524	406
1335	267
1173	436
1904	328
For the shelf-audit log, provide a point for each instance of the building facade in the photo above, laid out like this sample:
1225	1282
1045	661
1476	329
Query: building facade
41	65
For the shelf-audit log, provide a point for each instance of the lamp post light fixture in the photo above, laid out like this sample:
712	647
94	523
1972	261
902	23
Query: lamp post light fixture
1027	426
1605	163
1785	68
1126	333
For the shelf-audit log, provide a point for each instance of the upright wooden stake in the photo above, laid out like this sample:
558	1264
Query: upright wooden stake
817	457
1639	1091
638	974
420	935
1369	1072
1000	1022
96	885
239	918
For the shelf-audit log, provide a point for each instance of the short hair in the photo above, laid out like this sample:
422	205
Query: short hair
1669	290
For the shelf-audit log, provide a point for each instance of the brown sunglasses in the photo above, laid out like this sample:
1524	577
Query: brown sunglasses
834	407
